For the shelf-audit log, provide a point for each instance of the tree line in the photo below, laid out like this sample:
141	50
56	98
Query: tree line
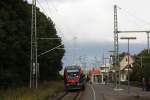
141	67
15	33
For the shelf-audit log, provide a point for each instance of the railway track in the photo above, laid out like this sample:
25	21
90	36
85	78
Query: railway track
69	96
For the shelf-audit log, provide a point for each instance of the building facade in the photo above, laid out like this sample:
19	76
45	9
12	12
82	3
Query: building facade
124	67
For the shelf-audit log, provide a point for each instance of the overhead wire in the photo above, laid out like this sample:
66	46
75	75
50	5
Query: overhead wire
41	7
51	5
56	10
46	11
57	28
134	16
49	11
48	7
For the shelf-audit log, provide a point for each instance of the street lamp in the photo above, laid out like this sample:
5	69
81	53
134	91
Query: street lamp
128	38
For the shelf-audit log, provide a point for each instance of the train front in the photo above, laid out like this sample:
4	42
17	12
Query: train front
74	78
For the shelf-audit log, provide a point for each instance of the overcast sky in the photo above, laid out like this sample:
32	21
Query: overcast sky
91	21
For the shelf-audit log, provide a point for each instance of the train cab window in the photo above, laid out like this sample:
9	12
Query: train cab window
73	73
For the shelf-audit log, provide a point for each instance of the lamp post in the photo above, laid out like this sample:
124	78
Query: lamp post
128	38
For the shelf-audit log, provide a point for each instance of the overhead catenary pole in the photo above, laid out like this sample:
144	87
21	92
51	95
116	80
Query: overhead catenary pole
128	38
33	62
116	49
116	45
148	42
135	31
74	53
141	58
112	63
34	66
106	70
128	69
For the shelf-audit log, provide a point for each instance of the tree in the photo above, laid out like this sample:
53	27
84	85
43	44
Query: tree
141	66
15	31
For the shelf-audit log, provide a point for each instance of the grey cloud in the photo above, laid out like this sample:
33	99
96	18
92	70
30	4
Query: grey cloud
92	50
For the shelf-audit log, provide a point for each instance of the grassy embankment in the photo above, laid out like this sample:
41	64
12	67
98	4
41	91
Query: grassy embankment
42	93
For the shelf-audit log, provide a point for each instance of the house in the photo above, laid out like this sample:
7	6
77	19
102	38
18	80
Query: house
94	75
124	67
105	69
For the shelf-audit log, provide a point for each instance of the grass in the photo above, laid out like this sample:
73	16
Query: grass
42	93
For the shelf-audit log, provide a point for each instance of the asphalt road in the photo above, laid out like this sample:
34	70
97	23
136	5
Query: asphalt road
106	92
95	92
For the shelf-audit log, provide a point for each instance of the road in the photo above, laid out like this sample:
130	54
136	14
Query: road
106	92
96	92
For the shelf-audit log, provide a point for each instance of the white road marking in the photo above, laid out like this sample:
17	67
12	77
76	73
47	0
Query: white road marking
94	95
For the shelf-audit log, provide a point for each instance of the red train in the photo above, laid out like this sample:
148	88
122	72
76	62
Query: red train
74	78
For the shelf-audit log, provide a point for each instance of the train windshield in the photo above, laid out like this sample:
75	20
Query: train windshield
73	72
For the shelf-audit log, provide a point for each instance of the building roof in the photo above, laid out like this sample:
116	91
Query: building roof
95	71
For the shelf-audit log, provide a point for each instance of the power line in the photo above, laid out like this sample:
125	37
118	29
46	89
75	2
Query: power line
50	50
48	6
34	66
41	6
51	5
54	7
49	11
133	15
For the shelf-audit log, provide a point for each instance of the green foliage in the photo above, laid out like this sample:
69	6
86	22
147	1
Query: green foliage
15	30
45	91
141	66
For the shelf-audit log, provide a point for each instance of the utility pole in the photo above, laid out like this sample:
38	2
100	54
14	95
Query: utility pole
112	63
75	51
148	42
116	45
33	62
128	38
141	58
106	70
116	49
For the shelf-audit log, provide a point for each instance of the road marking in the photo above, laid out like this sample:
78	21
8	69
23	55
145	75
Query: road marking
94	95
